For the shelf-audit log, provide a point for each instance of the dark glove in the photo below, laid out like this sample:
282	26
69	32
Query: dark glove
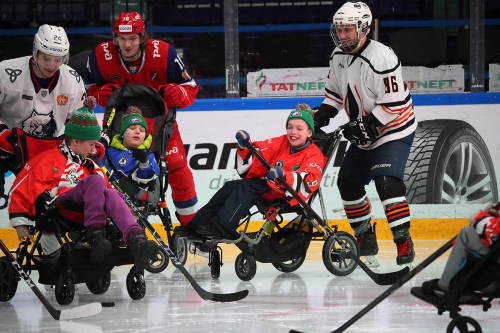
140	155
104	140
360	131
242	135
6	148
323	114
104	93
274	173
173	94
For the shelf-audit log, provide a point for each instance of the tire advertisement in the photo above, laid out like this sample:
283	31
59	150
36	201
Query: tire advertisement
451	172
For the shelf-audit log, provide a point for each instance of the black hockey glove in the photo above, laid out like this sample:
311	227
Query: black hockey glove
360	131
323	114
140	155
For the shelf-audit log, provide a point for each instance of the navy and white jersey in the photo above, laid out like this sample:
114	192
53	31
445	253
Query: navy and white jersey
369	82
37	111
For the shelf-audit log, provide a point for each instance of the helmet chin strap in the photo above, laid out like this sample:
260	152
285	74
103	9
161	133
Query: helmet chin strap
35	63
130	56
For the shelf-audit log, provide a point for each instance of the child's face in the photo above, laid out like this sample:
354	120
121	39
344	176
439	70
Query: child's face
297	132
134	136
84	148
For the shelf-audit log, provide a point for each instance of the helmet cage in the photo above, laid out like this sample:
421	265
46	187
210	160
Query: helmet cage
53	41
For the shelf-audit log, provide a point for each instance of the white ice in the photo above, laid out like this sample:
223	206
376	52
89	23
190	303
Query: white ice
309	300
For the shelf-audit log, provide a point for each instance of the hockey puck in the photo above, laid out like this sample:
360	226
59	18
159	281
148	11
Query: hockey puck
108	304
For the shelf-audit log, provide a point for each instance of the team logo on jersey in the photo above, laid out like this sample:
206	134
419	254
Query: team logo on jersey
185	75
123	161
76	75
13	74
39	124
44	93
61	100
133	69
295	168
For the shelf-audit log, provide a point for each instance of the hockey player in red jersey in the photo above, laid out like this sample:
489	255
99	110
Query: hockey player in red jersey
155	63
365	80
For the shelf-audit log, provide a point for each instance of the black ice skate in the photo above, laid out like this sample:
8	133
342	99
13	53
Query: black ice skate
406	254
368	247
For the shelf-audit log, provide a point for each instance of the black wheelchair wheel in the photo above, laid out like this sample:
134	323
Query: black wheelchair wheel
180	248
215	263
101	285
136	285
463	325
160	263
335	258
8	280
289	266
245	266
66	292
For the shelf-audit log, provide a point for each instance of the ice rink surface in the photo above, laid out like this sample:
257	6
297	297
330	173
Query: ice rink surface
309	300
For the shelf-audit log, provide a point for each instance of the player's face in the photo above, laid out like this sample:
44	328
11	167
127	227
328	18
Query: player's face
48	64
347	34
134	136
129	44
297	132
84	148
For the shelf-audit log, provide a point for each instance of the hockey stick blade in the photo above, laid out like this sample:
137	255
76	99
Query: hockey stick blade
83	311
382	279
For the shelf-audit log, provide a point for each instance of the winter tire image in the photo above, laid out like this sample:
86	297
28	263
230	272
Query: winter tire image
449	163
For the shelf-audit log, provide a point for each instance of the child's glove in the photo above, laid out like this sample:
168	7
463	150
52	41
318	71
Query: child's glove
173	94
104	140
275	172
141	156
104	93
99	151
242	135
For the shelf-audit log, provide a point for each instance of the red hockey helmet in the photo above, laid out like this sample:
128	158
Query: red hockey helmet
129	23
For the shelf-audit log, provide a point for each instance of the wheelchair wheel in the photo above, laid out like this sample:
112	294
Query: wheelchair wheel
136	285
8	280
160	263
101	285
180	248
245	266
67	291
337	260
215	263
289	266
463	325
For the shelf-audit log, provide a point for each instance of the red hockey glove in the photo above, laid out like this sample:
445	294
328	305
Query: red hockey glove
6	148
99	151
173	94
104	93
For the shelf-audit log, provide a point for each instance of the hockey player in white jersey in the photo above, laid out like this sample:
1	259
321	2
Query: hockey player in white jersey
38	93
365	80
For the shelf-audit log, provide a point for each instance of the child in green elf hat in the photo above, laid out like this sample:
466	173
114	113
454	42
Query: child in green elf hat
67	171
128	157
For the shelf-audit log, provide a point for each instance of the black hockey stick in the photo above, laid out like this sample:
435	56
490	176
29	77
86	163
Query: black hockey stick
382	279
78	312
206	295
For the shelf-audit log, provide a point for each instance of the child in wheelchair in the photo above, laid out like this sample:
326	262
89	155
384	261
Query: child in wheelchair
66	173
295	158
129	160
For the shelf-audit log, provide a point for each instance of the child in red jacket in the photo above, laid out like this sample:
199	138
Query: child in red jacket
295	158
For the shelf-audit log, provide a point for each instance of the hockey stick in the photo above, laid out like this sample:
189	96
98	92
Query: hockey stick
206	295
78	312
380	279
395	286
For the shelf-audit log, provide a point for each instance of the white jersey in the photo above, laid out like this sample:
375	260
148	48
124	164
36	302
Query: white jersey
371	82
37	111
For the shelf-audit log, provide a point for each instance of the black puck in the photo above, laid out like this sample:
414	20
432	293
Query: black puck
108	304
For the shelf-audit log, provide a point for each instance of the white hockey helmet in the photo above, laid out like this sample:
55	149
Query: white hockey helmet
53	41
352	13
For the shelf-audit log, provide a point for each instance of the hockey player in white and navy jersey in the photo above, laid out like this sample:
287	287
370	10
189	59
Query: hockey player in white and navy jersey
38	94
365	80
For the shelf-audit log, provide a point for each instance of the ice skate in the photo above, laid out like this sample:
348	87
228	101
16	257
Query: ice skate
368	247
406	254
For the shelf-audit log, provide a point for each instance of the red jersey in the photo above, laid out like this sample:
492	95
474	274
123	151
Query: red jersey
159	64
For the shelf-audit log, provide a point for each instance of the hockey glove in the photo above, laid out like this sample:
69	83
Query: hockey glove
99	151
141	156
104	140
242	135
360	131
323	114
274	173
6	148
104	93
173	94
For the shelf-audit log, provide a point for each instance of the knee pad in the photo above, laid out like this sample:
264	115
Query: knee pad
349	190
389	187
